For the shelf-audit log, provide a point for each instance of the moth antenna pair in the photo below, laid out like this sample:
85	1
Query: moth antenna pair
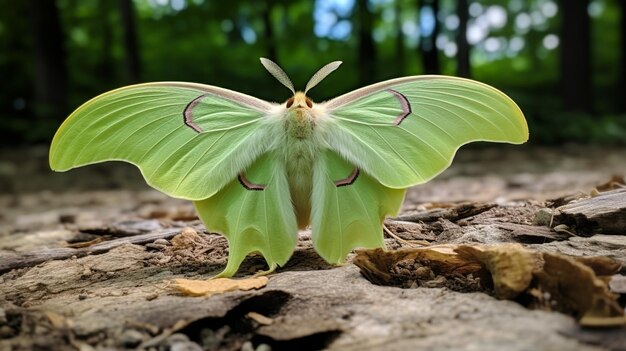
283	78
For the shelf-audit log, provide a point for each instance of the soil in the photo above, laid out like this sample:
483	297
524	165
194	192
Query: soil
87	260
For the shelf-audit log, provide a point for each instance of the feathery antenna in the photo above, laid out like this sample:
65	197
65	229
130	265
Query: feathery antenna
321	74
278	73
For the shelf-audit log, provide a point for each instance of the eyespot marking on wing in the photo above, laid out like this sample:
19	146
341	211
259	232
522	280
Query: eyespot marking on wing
188	116
404	103
349	180
248	184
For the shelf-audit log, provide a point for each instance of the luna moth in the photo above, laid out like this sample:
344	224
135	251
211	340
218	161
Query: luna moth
258	171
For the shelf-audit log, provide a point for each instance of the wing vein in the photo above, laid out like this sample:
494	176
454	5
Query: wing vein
362	142
398	153
469	111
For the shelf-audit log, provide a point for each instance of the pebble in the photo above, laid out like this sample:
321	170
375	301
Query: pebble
162	242
152	296
6	332
67	218
131	338
617	284
154	246
185	346
177	337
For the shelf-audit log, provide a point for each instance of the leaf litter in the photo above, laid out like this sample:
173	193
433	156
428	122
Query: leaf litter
549	281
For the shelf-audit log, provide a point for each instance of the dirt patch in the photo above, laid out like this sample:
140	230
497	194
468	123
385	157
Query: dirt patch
93	253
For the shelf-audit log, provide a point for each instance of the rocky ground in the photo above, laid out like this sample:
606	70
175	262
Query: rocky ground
87	260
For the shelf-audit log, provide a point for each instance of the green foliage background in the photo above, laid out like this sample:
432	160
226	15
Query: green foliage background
204	42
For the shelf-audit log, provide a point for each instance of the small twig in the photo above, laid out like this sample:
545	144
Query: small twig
411	243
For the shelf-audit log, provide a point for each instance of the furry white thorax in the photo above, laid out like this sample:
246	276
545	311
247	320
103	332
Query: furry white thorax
300	135
298	132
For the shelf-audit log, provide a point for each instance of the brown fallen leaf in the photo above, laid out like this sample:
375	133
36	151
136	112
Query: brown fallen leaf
573	285
211	287
575	288
511	266
378	265
601	266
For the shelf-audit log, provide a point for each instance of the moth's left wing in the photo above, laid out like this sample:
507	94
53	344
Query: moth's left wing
405	131
189	140
255	214
349	207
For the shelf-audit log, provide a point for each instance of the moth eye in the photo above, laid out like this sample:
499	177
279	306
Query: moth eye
309	102
289	102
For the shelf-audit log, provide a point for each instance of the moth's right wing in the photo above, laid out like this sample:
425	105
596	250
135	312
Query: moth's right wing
405	131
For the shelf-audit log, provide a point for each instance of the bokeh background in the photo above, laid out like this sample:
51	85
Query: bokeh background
562	61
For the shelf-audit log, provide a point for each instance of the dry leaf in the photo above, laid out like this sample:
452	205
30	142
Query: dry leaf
377	264
574	285
218	286
511	266
575	288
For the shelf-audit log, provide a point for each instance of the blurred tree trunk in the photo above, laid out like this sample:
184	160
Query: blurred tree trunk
621	84
428	44
50	66
270	39
463	54
131	51
576	56
399	59
366	47
105	65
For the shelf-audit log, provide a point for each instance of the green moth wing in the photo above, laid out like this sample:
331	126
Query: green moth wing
405	131
189	140
349	207
255	213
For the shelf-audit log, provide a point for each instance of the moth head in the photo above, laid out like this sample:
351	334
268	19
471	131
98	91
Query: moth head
299	100
282	77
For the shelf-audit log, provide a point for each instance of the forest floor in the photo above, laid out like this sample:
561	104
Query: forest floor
88	257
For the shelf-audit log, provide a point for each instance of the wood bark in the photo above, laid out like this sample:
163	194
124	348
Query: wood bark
453	214
29	259
604	213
